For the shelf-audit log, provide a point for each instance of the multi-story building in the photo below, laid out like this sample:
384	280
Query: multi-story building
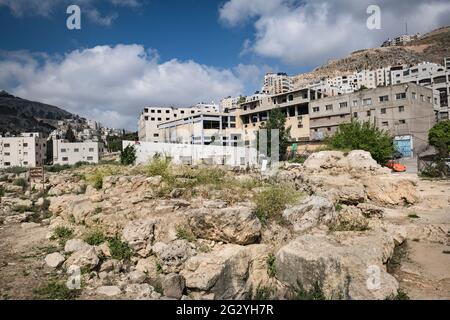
401	40
405	110
275	83
26	150
151	117
73	152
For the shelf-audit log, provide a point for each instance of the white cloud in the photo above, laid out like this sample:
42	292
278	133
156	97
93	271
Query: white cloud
310	32
113	84
46	8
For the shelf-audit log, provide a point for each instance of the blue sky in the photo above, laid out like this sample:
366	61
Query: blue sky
135	53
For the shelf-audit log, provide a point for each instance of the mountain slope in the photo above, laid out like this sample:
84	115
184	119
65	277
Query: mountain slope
432	47
19	115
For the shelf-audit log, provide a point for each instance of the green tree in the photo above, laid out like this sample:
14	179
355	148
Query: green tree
70	136
242	99
128	155
277	120
439	137
363	136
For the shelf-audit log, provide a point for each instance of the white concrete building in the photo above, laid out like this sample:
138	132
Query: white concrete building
27	150
73	152
276	83
195	154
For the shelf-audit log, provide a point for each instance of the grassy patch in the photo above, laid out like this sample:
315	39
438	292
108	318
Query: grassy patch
55	291
119	250
400	254
271	267
350	225
413	216
158	267
262	293
21	208
95	238
159	166
315	293
401	295
272	200
184	232
21	182
62	234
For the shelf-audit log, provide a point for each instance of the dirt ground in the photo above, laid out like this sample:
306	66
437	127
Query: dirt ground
423	272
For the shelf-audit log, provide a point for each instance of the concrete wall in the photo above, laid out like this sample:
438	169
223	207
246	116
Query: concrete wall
195	154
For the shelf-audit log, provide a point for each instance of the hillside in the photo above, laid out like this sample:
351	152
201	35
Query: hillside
18	115
433	47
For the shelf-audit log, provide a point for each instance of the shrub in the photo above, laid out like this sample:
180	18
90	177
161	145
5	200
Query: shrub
95	178
21	208
271	201
21	182
314	293
262	293
95	238
62	234
119	250
363	136
159	166
55	291
439	137
401	295
271	267
184	232
16	170
128	155
57	168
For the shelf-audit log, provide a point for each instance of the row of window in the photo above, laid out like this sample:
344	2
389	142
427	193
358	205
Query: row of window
64	150
167	111
8	145
90	158
7	154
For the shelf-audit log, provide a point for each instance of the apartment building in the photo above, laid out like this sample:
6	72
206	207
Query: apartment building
405	110
151	117
430	75
276	83
203	128
72	152
26	150
400	40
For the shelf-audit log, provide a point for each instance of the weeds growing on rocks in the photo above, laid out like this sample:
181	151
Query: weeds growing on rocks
55	291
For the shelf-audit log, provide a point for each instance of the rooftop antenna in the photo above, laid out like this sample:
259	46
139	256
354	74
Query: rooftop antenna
406	25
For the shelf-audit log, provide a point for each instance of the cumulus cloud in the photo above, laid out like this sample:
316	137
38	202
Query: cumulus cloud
309	32
46	8
113	84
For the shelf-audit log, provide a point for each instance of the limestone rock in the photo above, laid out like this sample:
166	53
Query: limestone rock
137	277
73	245
345	265
139	234
85	258
173	285
54	260
238	225
171	256
109	291
310	212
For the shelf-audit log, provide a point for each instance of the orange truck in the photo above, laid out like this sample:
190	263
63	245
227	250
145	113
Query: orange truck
395	166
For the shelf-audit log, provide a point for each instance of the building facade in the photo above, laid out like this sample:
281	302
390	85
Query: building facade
275	83
73	152
404	110
26	150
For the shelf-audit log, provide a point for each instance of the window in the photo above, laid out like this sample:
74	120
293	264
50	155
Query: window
414	95
65	159
167	111
368	113
400	96
355	103
63	150
90	158
343	105
316	109
159	119
7	164
25	144
402	121
153	119
429	99
192	111
156	135
422	98
7	154
152	111
91	149
329	129
290	97
159	111
329	107
182	111
401	109
384	98
146	118
300	125
6	145
355	114
383	111
25	163
167	119
367	102
76	150
385	123
25	153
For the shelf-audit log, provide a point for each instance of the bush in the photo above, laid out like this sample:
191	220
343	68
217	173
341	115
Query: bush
271	201
95	238
21	182
271	267
16	170
95	178
262	293
363	136
55	291
159	166
62	234
439	137
128	155
119	250
184	232
401	295
57	168
315	293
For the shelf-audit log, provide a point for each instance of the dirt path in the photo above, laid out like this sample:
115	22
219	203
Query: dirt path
22	253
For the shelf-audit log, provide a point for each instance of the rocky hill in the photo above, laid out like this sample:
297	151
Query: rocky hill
433	47
18	115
